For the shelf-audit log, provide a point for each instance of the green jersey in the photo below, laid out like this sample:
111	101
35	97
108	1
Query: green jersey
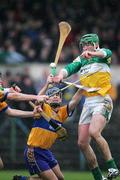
94	72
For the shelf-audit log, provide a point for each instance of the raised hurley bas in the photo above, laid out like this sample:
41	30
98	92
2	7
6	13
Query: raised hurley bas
64	29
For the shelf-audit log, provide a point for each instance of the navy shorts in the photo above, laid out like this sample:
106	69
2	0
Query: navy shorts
38	160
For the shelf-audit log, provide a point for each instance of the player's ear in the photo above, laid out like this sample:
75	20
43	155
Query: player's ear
97	45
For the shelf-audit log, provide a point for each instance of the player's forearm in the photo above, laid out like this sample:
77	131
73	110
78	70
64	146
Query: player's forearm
19	113
21	97
75	100
100	54
44	89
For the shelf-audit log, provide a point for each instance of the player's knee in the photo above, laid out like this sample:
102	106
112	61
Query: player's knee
94	134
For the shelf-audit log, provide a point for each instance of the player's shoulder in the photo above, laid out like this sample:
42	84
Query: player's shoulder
77	59
3	103
3	106
63	107
45	106
106	50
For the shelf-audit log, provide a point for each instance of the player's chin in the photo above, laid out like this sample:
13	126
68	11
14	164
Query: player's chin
55	101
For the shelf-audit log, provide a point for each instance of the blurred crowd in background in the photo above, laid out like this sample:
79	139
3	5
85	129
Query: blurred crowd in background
29	28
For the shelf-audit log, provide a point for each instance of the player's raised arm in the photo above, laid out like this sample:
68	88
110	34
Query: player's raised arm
68	70
101	53
45	87
89	44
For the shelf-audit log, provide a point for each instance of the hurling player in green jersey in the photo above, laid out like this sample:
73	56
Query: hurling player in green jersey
94	67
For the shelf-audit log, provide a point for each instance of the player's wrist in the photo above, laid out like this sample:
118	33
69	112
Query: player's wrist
63	74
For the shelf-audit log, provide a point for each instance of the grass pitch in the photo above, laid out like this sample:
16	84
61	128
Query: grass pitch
7	175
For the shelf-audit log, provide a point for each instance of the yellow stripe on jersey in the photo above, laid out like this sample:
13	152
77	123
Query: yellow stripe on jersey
42	134
100	80
1	94
42	138
3	105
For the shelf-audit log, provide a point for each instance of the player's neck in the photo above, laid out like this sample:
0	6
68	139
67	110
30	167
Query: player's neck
55	109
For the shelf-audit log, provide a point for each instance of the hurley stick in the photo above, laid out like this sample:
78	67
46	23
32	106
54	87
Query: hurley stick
64	29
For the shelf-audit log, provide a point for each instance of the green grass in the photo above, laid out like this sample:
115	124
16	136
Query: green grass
7	175
69	175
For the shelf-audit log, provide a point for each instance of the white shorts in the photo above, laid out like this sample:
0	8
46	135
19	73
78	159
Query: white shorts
96	105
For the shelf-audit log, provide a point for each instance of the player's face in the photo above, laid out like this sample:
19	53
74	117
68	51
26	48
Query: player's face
88	47
56	98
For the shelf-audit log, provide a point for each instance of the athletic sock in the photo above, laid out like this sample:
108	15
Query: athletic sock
111	164
97	173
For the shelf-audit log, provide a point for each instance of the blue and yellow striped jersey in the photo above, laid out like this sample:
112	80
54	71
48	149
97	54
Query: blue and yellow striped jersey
1	94
42	134
3	104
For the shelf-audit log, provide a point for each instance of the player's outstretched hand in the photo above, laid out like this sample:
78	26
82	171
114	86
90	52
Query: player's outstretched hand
57	79
41	99
86	54
37	111
14	89
50	79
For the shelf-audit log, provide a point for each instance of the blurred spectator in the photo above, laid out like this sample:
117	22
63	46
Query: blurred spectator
27	85
31	28
12	56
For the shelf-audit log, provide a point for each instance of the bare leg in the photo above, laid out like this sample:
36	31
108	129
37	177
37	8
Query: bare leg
83	142
48	175
52	174
58	172
1	164
98	123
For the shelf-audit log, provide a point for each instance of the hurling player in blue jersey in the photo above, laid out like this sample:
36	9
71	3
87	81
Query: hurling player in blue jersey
38	156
